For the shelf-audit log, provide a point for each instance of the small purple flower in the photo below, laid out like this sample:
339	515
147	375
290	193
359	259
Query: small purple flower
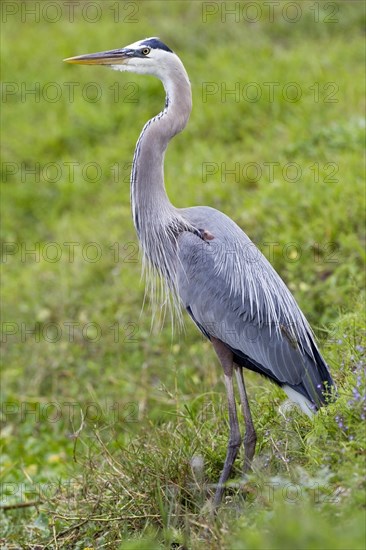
339	421
356	394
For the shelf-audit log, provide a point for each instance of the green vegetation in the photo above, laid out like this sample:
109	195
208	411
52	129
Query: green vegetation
113	431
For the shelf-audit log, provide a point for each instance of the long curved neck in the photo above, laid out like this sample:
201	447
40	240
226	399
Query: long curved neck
150	203
157	222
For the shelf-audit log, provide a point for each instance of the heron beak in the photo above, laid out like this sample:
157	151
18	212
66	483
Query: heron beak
111	57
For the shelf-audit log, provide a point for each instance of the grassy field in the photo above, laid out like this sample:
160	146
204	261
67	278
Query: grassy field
114	431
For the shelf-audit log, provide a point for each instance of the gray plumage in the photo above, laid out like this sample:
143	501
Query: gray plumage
233	294
208	265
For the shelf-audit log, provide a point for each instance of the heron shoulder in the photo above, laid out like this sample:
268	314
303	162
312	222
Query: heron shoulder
230	270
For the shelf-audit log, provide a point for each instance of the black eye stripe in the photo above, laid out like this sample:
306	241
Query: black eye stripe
156	44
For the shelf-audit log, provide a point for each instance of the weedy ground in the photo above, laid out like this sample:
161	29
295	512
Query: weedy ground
114	433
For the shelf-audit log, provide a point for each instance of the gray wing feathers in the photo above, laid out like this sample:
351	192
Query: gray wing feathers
235	295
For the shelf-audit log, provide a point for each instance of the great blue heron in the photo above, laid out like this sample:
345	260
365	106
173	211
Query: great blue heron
211	267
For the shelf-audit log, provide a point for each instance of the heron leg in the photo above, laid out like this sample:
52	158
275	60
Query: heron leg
226	358
250	438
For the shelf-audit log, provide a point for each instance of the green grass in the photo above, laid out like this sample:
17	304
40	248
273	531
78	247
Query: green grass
102	415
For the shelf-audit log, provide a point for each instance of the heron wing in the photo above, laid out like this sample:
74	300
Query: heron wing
232	293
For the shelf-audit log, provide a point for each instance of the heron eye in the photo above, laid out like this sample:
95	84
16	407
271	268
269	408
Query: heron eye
145	51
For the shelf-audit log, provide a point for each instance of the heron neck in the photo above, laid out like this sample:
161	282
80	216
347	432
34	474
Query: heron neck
150	203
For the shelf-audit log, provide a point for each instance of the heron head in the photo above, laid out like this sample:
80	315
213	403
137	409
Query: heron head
148	56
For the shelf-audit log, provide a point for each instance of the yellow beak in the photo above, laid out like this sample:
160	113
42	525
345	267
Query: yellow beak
111	57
